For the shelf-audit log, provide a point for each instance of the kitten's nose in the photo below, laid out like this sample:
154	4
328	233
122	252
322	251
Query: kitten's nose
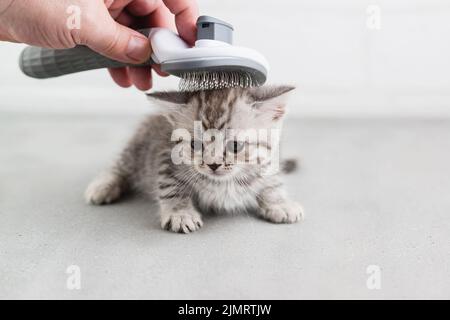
214	166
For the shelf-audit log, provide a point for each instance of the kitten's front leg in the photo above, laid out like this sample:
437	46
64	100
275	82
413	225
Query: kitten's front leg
276	207
177	210
179	215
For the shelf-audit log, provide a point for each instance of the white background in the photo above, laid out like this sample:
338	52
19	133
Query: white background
341	67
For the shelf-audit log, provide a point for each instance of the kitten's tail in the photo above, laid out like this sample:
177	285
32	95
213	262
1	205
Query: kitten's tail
289	165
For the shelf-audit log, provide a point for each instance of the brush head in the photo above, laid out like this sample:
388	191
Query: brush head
213	63
210	80
217	73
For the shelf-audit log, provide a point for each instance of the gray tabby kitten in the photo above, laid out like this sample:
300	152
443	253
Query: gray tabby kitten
174	157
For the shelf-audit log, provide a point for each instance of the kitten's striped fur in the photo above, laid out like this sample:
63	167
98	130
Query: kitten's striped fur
185	190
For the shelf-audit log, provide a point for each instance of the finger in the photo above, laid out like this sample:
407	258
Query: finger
115	13
186	14
158	70
157	14
117	7
141	77
142	8
118	4
125	19
116	41
108	3
120	76
163	18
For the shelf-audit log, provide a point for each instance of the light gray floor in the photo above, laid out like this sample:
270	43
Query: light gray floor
375	192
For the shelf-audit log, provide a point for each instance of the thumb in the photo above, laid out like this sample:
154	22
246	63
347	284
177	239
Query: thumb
118	42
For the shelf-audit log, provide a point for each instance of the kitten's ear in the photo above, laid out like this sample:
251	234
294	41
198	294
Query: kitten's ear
271	100
170	97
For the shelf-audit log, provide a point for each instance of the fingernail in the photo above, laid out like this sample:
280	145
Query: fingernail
138	48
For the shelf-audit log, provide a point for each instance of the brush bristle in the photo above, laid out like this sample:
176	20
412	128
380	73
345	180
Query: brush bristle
195	81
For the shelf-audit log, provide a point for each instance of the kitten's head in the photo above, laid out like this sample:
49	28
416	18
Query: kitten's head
228	133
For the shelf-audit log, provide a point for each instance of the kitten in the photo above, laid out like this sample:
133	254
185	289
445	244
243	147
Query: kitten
201	153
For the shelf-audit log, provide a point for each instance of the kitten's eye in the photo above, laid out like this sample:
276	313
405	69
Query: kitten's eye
235	146
196	145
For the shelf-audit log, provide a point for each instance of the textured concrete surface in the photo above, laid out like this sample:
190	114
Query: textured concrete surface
375	192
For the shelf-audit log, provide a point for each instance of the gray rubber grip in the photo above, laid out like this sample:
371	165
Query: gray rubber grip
44	63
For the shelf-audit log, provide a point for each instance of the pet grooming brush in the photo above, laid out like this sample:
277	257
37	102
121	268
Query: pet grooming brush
213	63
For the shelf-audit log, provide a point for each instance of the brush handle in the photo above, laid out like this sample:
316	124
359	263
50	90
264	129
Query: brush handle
42	63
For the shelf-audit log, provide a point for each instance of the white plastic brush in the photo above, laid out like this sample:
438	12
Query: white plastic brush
213	63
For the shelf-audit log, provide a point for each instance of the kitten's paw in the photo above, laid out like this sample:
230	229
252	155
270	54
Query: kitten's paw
104	189
182	222
288	212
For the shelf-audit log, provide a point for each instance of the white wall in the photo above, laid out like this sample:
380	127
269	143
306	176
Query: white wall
341	67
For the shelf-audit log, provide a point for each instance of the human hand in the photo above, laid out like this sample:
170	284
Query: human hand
105	26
